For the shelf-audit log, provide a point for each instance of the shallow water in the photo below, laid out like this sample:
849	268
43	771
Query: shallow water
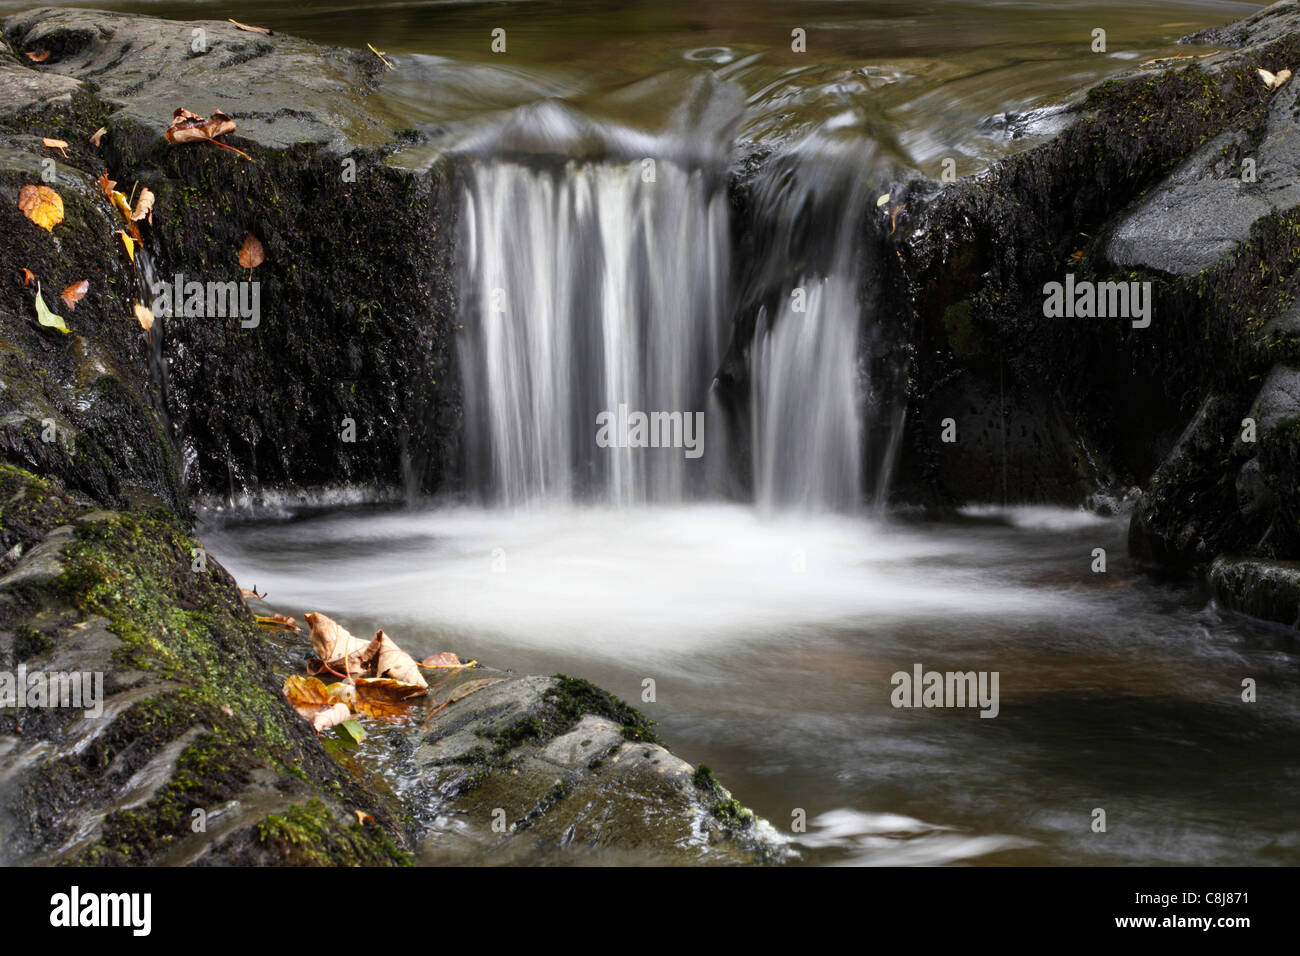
772	643
924	80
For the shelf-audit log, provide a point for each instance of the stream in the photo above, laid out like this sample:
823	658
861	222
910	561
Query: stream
757	585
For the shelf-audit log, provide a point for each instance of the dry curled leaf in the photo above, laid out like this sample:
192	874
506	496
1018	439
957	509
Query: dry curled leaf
363	818
251	593
75	293
187	127
38	56
312	700
28	275
383	698
143	206
97	137
143	315
396	663
445	659
1273	80
244	26
42	205
334	645
58	144
251	253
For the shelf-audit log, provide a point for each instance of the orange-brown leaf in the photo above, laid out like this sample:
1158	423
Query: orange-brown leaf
445	659
42	205
38	56
75	293
278	622
28	275
251	253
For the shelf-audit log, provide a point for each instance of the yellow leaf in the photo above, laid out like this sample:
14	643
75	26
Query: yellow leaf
128	244
42	205
45	316
144	316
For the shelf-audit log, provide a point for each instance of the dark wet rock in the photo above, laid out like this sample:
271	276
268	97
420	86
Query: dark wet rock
346	376
531	770
191	716
1206	208
1269	590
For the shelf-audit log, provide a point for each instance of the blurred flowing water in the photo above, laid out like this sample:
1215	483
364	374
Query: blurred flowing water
771	621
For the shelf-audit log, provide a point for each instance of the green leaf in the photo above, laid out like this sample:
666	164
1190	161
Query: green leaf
45	316
882	200
350	731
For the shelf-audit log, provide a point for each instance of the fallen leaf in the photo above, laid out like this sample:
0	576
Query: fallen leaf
472	686
42	205
382	697
349	730
445	659
363	818
247	593
75	293
245	26
1273	80
143	206
38	56
106	184
337	648
45	316
187	127
128	246
883	200
58	144
251	253
311	699
28	275
396	663
143	315
97	137
278	622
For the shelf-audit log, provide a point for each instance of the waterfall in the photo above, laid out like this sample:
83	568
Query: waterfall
588	287
592	288
807	390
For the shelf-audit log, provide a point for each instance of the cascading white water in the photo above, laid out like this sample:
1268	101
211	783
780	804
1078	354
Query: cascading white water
806	402
587	287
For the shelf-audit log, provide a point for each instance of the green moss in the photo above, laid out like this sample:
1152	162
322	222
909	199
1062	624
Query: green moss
309	835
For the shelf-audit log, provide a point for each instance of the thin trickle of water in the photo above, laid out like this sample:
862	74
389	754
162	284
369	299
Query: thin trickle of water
586	288
807	397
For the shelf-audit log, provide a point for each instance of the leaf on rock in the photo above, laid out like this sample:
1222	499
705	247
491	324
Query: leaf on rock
128	246
311	699
45	316
98	136
246	27
143	315
278	622
396	663
75	293
187	127
38	56
58	144
251	253
1273	80
28	275
363	818
472	686
251	593
143	207
332	644
42	205
445	659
